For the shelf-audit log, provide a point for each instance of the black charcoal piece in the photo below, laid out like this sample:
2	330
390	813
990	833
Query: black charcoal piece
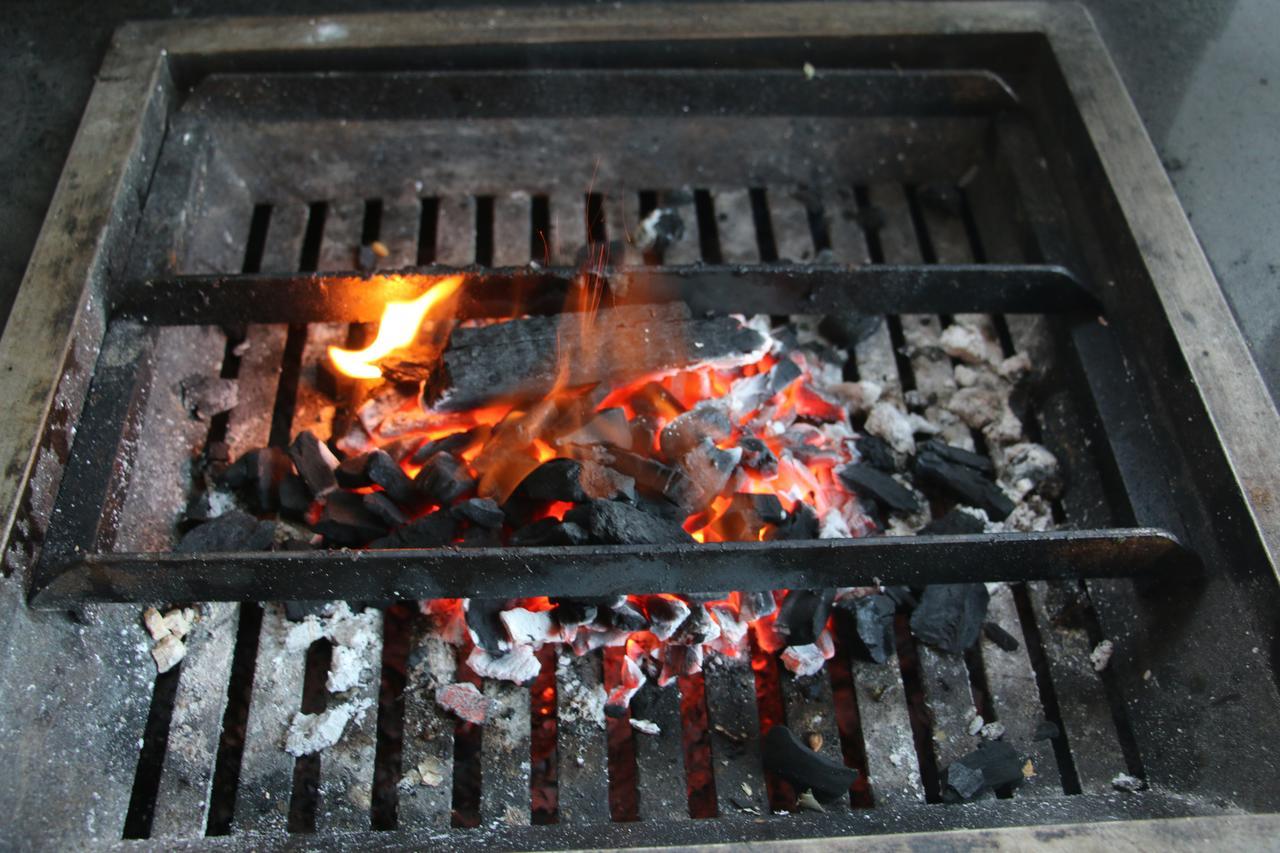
901	595
296	611
875	451
384	472
666	614
454	443
228	532
992	766
482	512
646	698
550	531
789	757
871	482
662	508
625	616
314	462
431	531
661	228
848	329
1000	636
756	605
958	455
257	475
573	611
950	615
614	523
873	615
801	523
295	497
353	472
965	483
687	431
484	618
608	426
954	522
443	479
346	521
1046	730
746	515
803	615
703	597
204	507
267	536
757	457
575	482
384	508
481	537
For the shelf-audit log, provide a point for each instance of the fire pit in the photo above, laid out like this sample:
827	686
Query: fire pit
799	429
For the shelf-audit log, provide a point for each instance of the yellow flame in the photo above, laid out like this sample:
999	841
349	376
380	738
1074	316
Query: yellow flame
399	326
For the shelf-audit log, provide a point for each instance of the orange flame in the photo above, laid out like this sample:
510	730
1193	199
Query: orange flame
399	326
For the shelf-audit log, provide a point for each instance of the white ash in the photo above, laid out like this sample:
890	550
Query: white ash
1128	784
529	627
1033	515
576	700
1027	467
168	653
1015	367
347	670
803	660
1100	657
976	724
858	397
833	525
646	726
897	427
518	665
966	376
968	344
310	733
352	634
992	731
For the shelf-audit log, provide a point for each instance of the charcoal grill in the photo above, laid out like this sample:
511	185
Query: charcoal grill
223	175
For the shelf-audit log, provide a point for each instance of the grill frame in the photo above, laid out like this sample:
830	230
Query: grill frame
85	243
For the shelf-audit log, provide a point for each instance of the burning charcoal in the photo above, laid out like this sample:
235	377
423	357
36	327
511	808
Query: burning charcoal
757	457
654	401
756	605
690	429
804	614
801	523
709	468
655	479
606	427
384	472
697	628
746	515
993	765
431	531
228	532
295	497
315	463
753	392
803	661
484	620
950	615
877	453
550	531
965	482
955	522
848	329
482	512
661	228
789	757
679	660
206	396
575	482
518	666
466	702
871	482
454	443
874	618
1000	636
444	479
353	473
631	680
571	612
644	433
666	615
346	521
613	523
384	508
958	455
626	617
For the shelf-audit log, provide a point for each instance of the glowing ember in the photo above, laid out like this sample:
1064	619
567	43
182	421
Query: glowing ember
399	326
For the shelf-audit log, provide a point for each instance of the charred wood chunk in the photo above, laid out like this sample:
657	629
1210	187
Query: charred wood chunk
430	531
615	523
1000	636
958	456
345	520
385	509
873	617
295	497
992	766
757	457
969	486
575	482
875	451
550	531
849	328
804	614
608	426
522	359
873	483
687	431
484	619
482	512
747	515
801	523
789	757
230	531
315	463
444	479
454	443
954	522
950	615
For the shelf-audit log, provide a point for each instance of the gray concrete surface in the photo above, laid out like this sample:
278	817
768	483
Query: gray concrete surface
1205	75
